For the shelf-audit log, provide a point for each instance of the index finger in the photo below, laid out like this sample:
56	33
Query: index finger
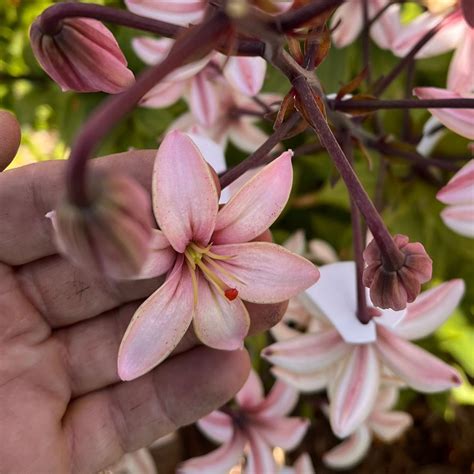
29	192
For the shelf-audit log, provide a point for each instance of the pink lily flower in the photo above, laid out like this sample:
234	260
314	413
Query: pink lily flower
214	263
459	194
350	358
383	423
348	22
460	121
251	428
199	82
456	34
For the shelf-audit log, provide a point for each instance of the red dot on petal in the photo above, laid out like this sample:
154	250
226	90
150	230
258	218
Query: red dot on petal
231	294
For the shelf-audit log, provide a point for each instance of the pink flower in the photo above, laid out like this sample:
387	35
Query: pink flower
113	234
82	55
350	358
348	21
215	265
459	121
383	422
252	427
455	34
459	194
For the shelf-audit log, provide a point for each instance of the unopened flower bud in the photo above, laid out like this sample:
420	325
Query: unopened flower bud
82	55
394	288
112	234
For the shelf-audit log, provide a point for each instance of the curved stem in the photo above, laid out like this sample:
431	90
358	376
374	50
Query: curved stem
376	104
200	40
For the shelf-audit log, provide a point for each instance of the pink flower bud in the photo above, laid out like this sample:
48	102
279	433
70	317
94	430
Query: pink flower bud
82	55
391	288
111	236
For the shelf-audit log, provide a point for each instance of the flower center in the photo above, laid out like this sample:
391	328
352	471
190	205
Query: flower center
204	260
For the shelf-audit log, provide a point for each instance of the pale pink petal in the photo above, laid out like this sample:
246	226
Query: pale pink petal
179	12
388	426
204	100
430	309
137	462
296	242
387	28
460	219
322	252
161	257
152	51
163	94
308	352
311	382
157	326
259	202
445	40
286	433
251	394
219	322
351	451
421	370
461	69
460	189
259	455
386	398
217	426
210	150
281	400
264	272
185	199
458	120
244	134
303	465
219	461
355	391
348	22
235	186
246	74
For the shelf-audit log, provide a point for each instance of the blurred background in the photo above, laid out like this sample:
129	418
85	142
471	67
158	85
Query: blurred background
442	438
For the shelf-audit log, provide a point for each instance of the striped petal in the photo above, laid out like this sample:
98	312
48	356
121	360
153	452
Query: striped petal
421	370
460	75
246	74
286	433
430	310
390	425
460	188
217	426
306	383
308	352
355	390
259	456
347	23
204	100
460	219
351	451
281	400
251	394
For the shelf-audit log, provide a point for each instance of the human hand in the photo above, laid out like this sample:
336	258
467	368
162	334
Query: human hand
62	405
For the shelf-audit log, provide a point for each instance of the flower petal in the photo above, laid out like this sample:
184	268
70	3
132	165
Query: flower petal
245	135
458	120
460	75
386	398
387	28
460	219
308	352
210	150
281	400
185	199
179	12
351	451
251	394
303	465
355	391
204	100
421	370
265	272
217	426
218	461
259	457
246	74
346	23
388	426
219	322
286	433
257	204
161	257
312	382
430	310
460	189
296	242
157	326
163	94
